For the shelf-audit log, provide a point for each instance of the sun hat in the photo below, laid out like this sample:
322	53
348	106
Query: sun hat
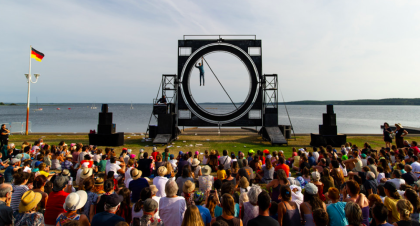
14	160
29	201
266	151
316	176
399	125
75	200
281	151
195	162
69	156
243	182
99	181
135	174
199	197
150	205
153	189
301	149
205	170
65	172
113	200
251	151
197	153
86	172
311	189
188	187
391	187
162	171
59	183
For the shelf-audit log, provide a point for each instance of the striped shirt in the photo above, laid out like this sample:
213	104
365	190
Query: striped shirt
18	191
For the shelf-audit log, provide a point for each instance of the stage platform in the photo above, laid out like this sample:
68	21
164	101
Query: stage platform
215	131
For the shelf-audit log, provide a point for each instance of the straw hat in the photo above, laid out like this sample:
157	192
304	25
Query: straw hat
153	189
162	171
29	201
75	200
195	162
206	170
243	182
99	181
69	156
399	125
135	174
188	187
86	172
65	172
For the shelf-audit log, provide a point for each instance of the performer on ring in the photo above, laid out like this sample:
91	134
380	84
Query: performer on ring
200	67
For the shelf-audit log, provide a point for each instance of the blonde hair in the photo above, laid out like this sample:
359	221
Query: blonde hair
243	198
353	213
192	217
405	209
168	166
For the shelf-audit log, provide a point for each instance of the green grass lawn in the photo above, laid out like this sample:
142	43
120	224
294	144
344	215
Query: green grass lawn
202	143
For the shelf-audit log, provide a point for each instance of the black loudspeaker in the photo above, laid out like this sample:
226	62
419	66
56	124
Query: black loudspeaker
105	108
106	129
105	118
160	109
327	130
152	131
115	139
329	119
165	124
330	109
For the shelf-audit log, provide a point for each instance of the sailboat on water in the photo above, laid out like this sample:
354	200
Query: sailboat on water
37	107
93	106
131	105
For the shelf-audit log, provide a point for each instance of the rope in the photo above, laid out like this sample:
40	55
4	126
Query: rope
220	83
287	112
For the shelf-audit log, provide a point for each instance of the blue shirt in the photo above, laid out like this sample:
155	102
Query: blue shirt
205	214
201	68
336	214
8	174
219	210
106	219
311	161
135	187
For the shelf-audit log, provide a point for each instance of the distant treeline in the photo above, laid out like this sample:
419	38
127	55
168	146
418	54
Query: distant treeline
391	101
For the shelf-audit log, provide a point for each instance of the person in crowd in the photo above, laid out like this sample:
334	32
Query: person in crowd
108	186
115	167
188	192
353	214
387	135
399	132
199	198
263	218
316	177
92	198
327	180
67	163
243	185
405	209
27	214
229	177
412	196
172	207
221	173
352	189
390	201
127	175
336	173
250	209
158	163
74	201
355	163
186	176
311	202
6	212
98	188
227	188
19	188
370	184
124	210
335	210
192	217
56	160
39	184
160	181
245	171
409	177
150	207
205	181
137	209
228	214
108	216
396	178
196	168
267	173
321	217
56	199
380	214
287	210
212	202
137	184
276	184
144	165
11	169
225	160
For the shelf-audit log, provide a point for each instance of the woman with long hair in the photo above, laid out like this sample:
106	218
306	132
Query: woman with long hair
125	210
276	184
192	216
311	201
327	180
137	209
405	209
39	184
354	214
56	160
186	175
387	170
352	189
211	203
288	211
92	198
228	205
414	199
267	173
206	157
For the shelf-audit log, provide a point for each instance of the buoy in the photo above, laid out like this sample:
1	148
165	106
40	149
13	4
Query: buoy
58	108
69	108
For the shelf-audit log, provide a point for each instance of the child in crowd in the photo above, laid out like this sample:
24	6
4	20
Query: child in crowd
221	173
2	165
381	174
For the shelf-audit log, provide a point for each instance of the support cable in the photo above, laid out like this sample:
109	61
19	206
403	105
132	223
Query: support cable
284	103
220	83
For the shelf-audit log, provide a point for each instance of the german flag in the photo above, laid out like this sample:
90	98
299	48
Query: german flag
37	55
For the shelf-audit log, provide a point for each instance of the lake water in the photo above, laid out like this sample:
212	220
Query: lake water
305	118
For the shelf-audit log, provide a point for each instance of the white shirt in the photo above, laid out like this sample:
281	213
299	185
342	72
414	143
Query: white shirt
160	183
173	163
380	176
204	160
225	161
79	171
127	177
416	168
316	156
172	210
364	162
344	170
397	182
97	157
205	183
112	167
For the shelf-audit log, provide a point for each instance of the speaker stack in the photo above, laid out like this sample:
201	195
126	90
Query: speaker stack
106	135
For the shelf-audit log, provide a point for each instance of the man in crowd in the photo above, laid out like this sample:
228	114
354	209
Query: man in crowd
150	207
225	160
409	177
4	135
108	217
263	219
6	212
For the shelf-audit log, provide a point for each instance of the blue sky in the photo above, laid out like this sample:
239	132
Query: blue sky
116	51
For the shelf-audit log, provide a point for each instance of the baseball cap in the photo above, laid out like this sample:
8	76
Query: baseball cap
180	152
150	205
251	151
124	149
15	160
311	189
390	186
113	200
266	151
363	155
59	183
171	156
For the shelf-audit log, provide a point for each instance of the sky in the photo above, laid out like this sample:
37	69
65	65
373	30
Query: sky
104	51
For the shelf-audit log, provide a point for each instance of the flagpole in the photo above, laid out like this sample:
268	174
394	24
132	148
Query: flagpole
29	90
